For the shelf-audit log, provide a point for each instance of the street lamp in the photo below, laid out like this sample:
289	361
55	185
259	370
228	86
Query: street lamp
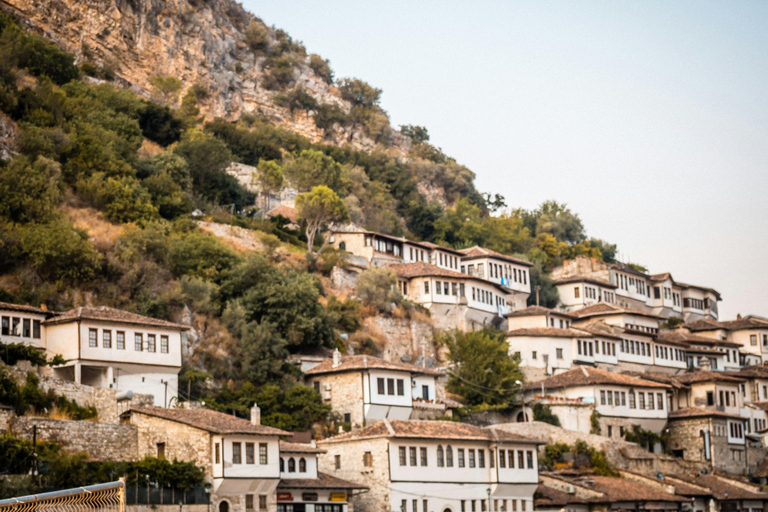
488	491
208	494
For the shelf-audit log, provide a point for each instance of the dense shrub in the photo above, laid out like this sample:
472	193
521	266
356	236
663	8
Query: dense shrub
321	67
257	36
328	115
279	72
159	124
30	192
58	252
377	287
297	99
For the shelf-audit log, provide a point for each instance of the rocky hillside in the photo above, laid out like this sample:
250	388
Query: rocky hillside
216	45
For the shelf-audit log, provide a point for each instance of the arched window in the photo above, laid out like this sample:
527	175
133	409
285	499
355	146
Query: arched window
343	246
440	459
224	506
449	456
291	465
302	465
282	465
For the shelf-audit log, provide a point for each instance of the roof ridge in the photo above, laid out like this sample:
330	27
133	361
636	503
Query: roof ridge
389	427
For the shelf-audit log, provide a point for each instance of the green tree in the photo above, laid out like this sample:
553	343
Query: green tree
311	168
166	89
269	179
319	208
481	369
59	252
321	67
30	191
257	36
559	221
543	413
418	134
378	288
358	92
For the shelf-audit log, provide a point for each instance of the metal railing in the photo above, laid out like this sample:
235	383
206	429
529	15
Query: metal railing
109	497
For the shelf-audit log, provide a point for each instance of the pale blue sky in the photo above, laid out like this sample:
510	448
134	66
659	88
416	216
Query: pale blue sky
649	119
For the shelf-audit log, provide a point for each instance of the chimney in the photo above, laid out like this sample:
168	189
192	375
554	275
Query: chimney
704	364
738	316
336	358
255	415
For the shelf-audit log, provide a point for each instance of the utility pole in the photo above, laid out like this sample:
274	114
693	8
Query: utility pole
165	397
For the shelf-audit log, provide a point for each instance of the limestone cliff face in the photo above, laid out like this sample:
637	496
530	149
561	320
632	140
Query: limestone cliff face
197	41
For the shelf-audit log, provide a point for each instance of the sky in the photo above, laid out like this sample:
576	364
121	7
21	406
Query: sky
649	119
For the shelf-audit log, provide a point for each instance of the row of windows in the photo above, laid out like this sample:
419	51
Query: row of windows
642	328
390	388
237	453
752	338
483	296
471	457
262	502
619	399
563	323
21	327
736	430
415	506
585	348
419	255
498	505
447	261
292	465
497	271
673	354
624	282
640	348
609	348
759	424
138	340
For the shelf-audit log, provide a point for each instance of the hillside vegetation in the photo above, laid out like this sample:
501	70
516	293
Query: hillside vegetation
95	207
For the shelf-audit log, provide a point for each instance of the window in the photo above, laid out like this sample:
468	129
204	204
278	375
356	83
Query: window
710	398
511	459
529	459
415	504
631	399
423	456
216	453
576	292
151	345
6	329
15	327
610	430
249	454
502	458
236	453
471	458
390	386
106	337
263	453
481	458
380	385
491	458
650	401
93	338
445	289
262	502
660	401
610	397
559	353
138	342
461	457
249	502
753	339
602	397
36	330
424	505
337	461
440	456
120	340
160	450
26	331
367	459
520	459
438	288
291	465
403	458
449	456
400	387
533	355
623	398
164	344
412	453
641	400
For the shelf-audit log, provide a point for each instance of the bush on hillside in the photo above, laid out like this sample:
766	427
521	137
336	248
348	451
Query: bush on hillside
321	67
377	287
257	36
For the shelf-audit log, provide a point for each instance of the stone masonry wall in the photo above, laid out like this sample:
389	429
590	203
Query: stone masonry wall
346	391
182	442
376	477
104	441
404	337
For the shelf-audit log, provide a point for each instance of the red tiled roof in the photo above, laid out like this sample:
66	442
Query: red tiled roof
615	489
418	429
365	362
106	314
481	252
423	269
603	308
706	376
433	247
546	497
703	325
537	311
751	372
211	421
549	332
583	376
323	481
286	211
665	378
720	485
7	306
287	447
700	412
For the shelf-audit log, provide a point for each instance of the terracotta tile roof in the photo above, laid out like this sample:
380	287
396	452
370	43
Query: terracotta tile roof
661	277
700	412
212	421
323	481
287	447
751	372
286	211
624	267
703	325
365	362
546	497
745	323
7	306
583	376
703	288
106	314
615	489
705	351
433	247
549	332
762	469
589	280
697	339
481	252
537	311
417	429
720	485
664	378
676	338
603	308
602	330
687	489
706	376
763	406
423	269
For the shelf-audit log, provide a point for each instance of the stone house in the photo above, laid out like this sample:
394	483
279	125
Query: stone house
435	466
579	492
621	401
724	493
364	388
303	488
707	435
241	458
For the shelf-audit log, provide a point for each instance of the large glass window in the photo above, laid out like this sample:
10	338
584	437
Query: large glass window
93	337
138	342
106	338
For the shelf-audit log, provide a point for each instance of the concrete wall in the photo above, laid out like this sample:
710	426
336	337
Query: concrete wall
105	441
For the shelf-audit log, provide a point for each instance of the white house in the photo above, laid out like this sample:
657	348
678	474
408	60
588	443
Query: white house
427	466
578	292
499	268
538	316
621	400
364	388
303	488
545	351
115	349
750	333
22	324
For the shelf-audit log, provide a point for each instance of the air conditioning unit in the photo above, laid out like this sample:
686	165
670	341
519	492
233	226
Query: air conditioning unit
327	394
570	489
